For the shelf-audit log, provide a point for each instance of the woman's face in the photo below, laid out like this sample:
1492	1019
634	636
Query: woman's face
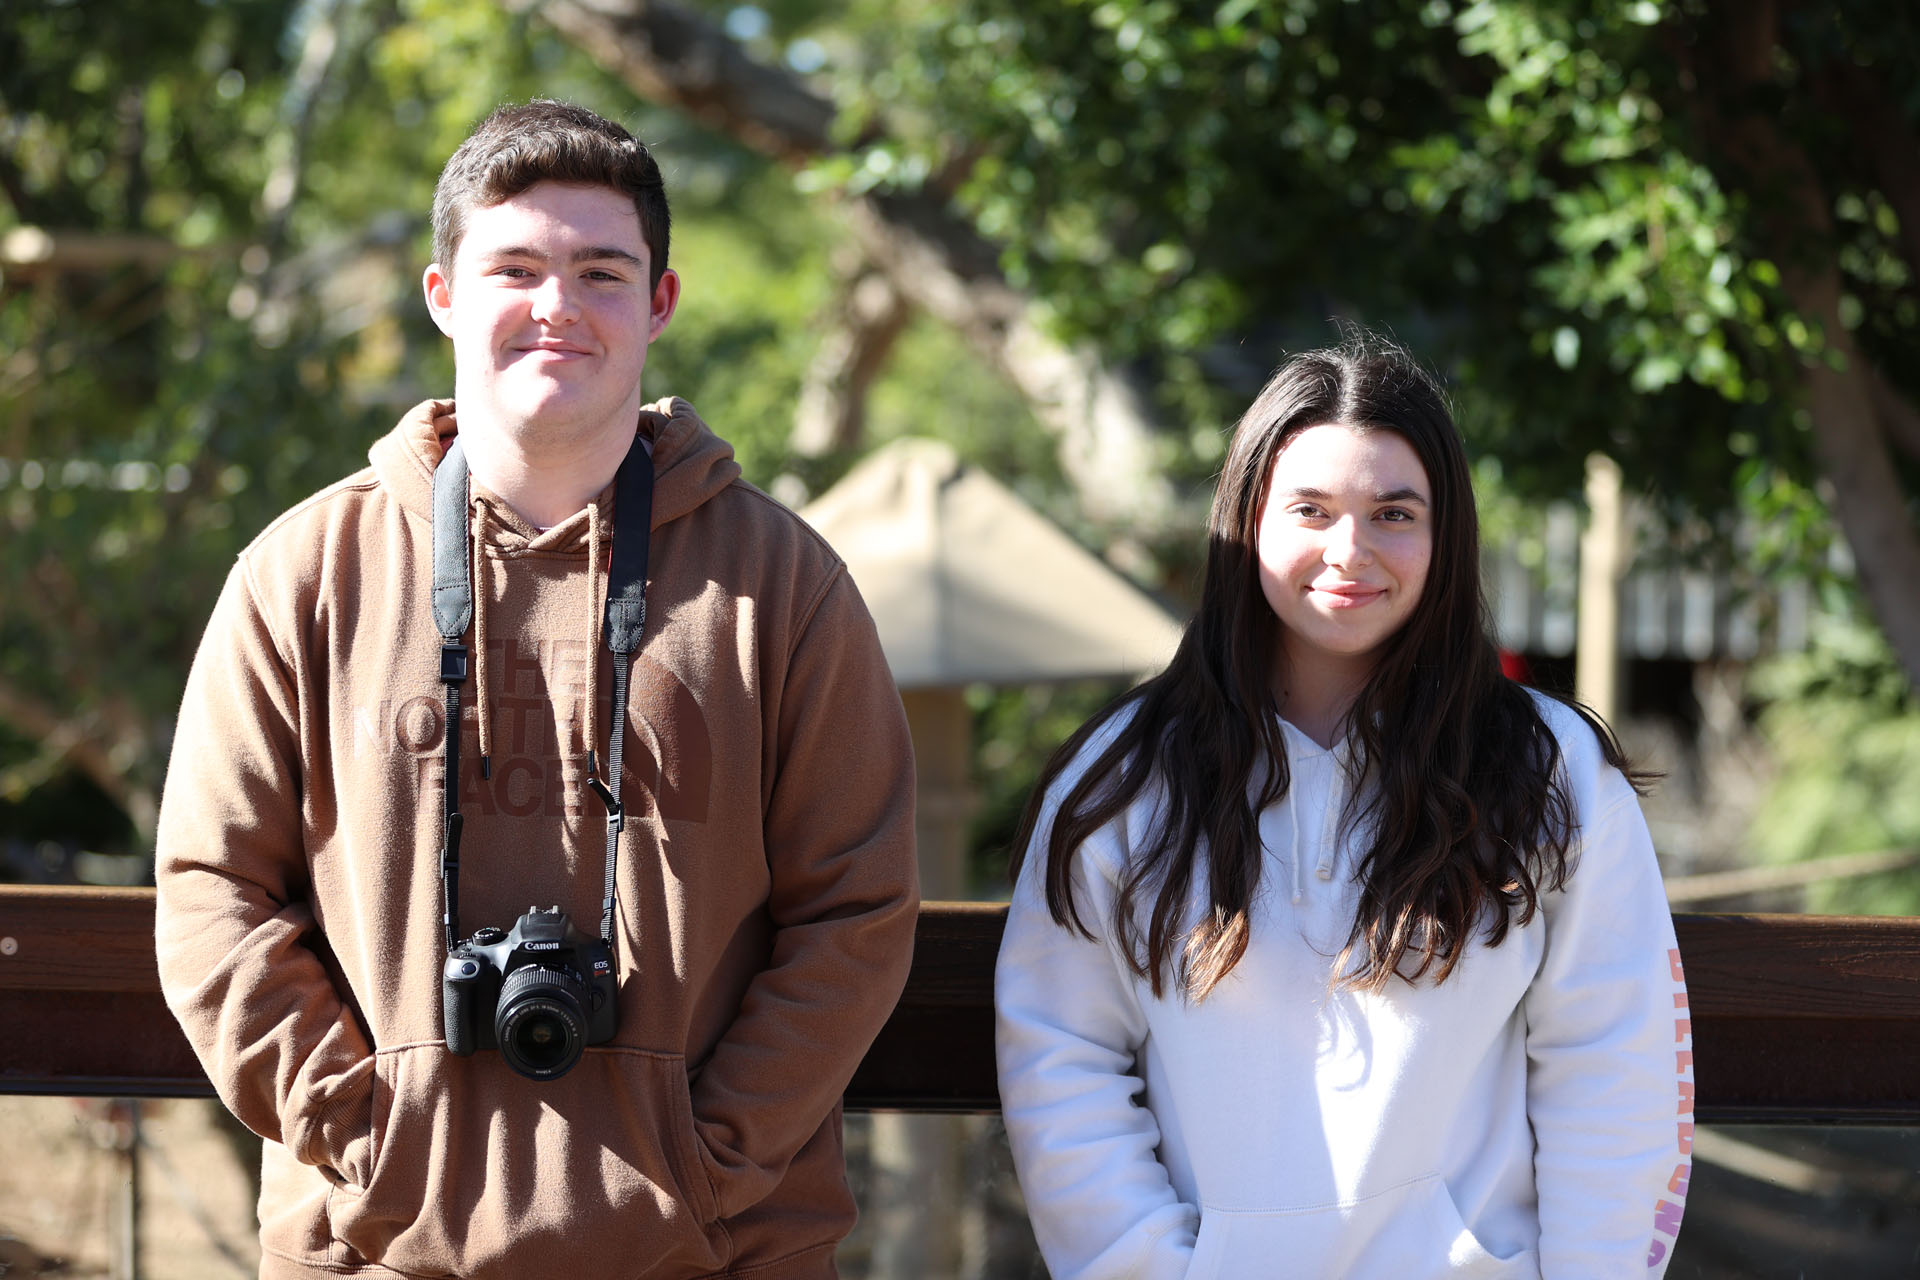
1345	537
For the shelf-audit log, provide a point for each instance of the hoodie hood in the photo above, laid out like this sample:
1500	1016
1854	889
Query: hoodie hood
690	464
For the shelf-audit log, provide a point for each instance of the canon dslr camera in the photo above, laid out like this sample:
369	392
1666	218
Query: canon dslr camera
540	993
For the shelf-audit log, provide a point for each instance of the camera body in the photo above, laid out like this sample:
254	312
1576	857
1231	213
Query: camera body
540	993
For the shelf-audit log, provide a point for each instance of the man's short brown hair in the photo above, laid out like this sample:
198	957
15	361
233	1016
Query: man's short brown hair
517	147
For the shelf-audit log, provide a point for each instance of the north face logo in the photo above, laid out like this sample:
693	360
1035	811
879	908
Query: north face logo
669	752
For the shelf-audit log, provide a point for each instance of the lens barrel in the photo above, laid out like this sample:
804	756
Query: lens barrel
541	1021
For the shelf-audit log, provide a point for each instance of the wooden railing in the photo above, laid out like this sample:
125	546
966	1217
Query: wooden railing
1795	1018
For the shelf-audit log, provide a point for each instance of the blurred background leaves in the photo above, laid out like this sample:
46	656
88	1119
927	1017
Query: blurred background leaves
1606	225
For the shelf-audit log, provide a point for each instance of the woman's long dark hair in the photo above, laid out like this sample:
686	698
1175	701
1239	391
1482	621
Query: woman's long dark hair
1470	819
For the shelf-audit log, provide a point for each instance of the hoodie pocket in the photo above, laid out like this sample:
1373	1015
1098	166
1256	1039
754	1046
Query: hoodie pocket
479	1172
1409	1232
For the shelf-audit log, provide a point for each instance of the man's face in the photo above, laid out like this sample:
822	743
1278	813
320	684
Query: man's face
550	313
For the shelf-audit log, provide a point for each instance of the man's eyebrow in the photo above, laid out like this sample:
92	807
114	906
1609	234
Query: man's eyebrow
605	252
586	253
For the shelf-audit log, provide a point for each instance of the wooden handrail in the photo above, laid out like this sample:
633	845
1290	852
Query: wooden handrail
1795	1018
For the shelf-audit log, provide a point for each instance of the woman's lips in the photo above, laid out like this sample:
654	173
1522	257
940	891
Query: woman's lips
1347	596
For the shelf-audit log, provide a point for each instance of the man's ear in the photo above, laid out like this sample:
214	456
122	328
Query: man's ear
666	296
438	286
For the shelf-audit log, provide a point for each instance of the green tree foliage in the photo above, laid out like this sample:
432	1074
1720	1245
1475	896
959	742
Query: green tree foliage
1014	732
129	394
1611	221
214	220
1844	728
205	240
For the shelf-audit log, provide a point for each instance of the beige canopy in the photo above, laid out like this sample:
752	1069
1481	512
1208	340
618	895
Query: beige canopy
967	583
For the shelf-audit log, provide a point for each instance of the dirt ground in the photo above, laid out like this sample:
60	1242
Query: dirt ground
63	1178
63	1169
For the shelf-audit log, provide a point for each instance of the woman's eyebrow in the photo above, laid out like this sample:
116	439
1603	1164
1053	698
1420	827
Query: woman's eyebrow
1383	495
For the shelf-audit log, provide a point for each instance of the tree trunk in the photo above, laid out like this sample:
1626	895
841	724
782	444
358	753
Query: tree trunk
1856	411
1851	448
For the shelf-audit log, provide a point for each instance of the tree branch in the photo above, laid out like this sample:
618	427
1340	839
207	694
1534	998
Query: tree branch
320	55
1105	430
109	741
27	251
867	319
78	740
671	53
675	56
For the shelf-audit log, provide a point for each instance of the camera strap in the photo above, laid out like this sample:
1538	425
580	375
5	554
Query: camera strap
626	617
452	612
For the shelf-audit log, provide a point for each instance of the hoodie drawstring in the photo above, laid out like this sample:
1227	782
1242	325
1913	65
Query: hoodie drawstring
480	704
1336	802
596	538
1293	859
1323	863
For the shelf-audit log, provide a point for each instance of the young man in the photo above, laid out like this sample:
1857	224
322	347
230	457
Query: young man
664	1105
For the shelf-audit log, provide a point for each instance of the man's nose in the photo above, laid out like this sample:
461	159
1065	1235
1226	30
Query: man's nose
553	302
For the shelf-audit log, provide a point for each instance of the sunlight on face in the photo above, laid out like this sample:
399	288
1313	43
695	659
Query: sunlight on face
550	311
1345	537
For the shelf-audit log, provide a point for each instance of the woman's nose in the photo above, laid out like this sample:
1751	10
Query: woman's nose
1346	543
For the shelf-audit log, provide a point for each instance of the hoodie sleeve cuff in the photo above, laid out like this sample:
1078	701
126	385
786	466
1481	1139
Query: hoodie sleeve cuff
340	1139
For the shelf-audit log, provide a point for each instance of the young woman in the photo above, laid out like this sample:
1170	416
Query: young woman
1333	953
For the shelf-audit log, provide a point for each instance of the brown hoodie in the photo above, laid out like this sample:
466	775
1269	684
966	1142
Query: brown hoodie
766	878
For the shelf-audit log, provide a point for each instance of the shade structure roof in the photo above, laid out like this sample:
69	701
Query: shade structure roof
968	583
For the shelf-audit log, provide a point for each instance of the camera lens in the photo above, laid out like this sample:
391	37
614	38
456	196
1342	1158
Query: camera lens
541	1023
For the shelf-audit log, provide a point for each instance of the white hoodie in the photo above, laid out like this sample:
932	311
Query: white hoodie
1530	1117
